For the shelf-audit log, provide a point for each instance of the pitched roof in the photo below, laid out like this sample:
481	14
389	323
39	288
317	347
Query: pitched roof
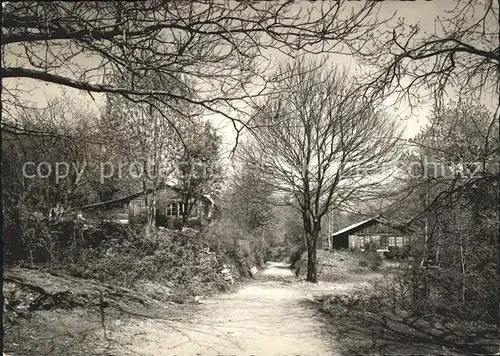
127	198
379	218
356	225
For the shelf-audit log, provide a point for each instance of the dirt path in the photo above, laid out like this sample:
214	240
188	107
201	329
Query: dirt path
266	317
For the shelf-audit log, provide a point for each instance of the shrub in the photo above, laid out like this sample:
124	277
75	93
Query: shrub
398	252
296	256
370	259
183	261
363	263
355	250
371	246
125	256
242	248
437	292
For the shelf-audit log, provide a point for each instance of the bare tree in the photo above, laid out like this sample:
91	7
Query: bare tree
322	143
44	173
45	162
221	48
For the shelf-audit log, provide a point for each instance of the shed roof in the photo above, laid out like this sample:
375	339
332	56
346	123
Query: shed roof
359	225
354	226
127	198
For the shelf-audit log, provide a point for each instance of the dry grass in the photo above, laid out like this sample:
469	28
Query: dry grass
362	321
381	332
335	266
75	316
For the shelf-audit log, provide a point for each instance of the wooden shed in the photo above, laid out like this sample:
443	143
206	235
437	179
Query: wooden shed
377	230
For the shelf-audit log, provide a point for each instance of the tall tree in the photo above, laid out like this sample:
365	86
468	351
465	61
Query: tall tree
199	170
146	140
321	143
250	195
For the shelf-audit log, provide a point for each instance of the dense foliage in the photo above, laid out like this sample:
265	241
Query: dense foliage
452	203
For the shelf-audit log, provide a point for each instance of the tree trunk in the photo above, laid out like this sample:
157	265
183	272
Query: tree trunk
426	241
312	275
438	244
498	252
150	211
312	227
497	190
463	256
498	246
187	208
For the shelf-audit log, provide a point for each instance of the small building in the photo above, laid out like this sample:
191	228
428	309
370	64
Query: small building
170	209
169	206
376	231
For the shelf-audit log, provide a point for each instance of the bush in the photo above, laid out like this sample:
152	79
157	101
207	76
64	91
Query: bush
370	259
398	252
371	246
437	292
297	254
124	255
182	261
362	297
336	266
242	248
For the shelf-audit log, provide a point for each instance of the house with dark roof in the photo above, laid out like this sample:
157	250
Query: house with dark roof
169	206
377	231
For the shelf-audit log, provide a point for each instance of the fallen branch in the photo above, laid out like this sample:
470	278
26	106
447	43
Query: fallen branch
60	291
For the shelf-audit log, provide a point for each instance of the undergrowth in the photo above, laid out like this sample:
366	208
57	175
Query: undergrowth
183	263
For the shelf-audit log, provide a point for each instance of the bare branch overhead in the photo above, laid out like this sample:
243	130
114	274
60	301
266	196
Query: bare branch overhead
220	48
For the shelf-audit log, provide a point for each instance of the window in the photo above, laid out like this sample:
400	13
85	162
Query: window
135	208
175	209
194	210
374	242
172	209
178	209
384	242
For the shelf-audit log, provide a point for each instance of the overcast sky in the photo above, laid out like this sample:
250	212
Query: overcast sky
424	12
